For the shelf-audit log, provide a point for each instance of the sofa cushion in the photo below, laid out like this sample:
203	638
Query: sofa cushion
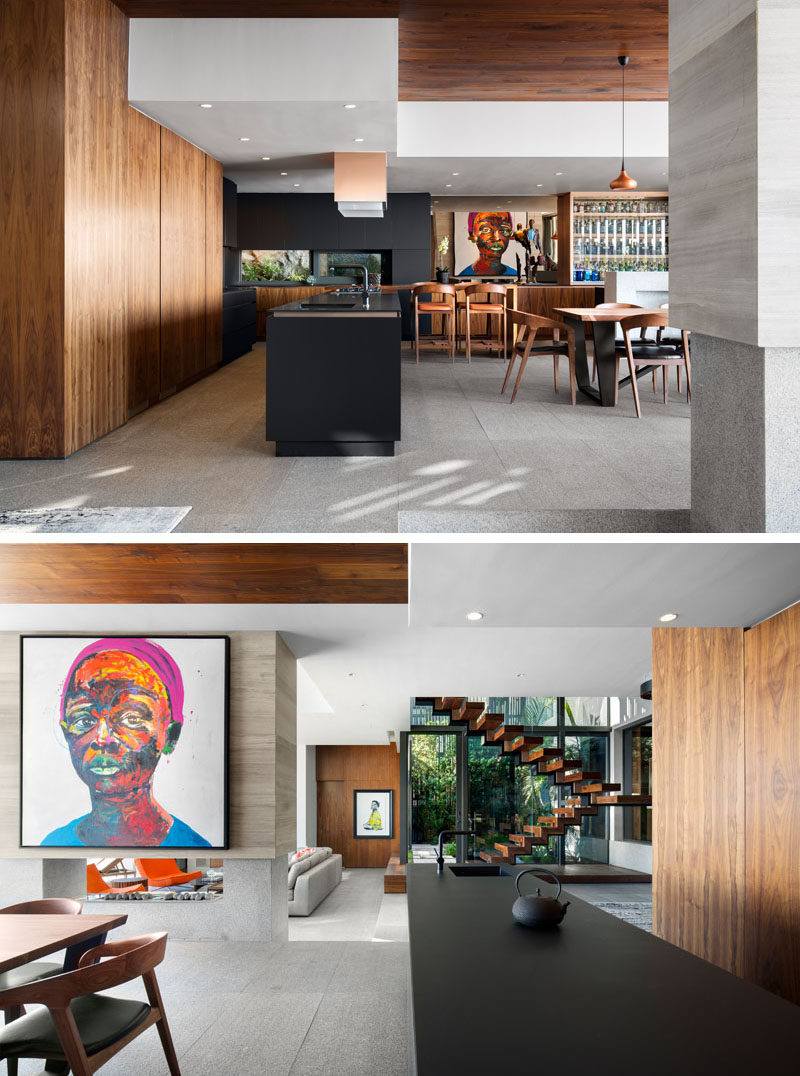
300	866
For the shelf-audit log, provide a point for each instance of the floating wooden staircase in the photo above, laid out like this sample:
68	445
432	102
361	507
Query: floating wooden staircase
588	790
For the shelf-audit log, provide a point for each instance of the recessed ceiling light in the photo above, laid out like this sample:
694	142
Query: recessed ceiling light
520	676
455	173
540	184
244	138
475	615
351	674
448	184
348	106
295	184
363	706
559	173
206	106
266	158
667	617
358	139
435	201
284	173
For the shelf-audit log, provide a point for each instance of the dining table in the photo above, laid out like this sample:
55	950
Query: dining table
603	323
24	938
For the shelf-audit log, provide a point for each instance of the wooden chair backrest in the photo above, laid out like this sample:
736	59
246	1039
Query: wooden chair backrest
128	958
486	289
433	288
532	322
619	306
643	321
48	906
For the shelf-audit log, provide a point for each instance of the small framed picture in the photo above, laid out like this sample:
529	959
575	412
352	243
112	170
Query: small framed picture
373	812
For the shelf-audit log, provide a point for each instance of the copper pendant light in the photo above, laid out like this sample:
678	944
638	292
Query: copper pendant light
623	182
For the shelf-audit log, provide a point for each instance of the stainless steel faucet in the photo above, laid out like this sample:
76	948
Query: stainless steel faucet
450	833
363	268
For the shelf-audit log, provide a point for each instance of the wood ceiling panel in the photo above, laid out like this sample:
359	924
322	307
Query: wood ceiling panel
209	572
505	50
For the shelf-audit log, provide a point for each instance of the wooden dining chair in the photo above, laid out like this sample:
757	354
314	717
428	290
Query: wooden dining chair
80	1026
478	303
648	354
444	307
35	970
673	340
528	326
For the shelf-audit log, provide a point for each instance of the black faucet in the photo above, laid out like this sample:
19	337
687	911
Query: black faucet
363	268
450	833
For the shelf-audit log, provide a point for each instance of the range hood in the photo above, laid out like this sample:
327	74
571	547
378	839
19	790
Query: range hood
359	184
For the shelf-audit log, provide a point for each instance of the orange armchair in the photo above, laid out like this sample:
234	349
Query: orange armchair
164	872
96	883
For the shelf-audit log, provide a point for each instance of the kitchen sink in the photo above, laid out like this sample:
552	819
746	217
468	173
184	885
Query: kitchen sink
487	870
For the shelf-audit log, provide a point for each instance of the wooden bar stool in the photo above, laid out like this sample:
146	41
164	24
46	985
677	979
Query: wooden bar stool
524	346
444	307
474	305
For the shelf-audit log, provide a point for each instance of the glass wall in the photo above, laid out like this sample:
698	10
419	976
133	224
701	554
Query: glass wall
589	843
433	778
275	265
637	763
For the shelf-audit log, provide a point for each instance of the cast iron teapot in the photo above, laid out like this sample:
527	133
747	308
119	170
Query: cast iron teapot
539	911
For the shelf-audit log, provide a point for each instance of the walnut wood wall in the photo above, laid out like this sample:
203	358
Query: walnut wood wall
183	261
340	771
262	757
698	794
144	252
81	217
32	261
169	572
772	777
214	273
726	768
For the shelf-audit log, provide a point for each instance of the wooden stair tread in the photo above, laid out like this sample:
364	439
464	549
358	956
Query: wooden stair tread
571	777
504	732
598	786
622	800
539	754
488	721
520	743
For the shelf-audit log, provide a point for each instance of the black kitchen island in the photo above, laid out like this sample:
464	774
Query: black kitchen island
594	995
333	376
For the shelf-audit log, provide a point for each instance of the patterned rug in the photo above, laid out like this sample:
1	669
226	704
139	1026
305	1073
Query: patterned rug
156	520
637	913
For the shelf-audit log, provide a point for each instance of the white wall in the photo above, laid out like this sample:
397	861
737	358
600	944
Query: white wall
306	795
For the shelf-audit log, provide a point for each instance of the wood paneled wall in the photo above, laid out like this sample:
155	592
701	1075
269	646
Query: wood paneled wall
772	781
183	261
340	771
96	236
726	770
32	243
698	794
144	251
81	273
263	763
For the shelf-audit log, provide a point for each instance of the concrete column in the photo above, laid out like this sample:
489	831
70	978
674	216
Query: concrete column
734	238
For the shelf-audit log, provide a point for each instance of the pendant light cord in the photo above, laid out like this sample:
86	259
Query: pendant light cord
623	117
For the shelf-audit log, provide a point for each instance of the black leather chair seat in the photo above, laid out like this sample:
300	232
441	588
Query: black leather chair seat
547	349
28	973
101	1021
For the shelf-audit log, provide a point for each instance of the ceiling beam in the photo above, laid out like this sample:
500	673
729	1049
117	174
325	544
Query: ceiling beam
206	572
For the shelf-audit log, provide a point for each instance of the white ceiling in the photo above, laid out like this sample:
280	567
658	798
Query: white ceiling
569	618
283	84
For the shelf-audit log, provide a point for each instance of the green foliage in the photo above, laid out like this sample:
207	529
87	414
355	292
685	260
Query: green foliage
261	269
433	786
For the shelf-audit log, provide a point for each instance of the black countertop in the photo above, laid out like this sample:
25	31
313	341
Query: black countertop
385	304
595	995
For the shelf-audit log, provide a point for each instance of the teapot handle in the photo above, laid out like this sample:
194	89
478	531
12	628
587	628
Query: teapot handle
539	870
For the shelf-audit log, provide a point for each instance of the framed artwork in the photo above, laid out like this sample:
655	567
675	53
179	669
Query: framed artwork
486	242
373	813
124	741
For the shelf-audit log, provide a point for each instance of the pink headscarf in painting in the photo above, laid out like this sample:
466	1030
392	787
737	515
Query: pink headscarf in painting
162	664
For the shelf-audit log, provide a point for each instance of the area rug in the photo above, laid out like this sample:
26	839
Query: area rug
637	913
156	520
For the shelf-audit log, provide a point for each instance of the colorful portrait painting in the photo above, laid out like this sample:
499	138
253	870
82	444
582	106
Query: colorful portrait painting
483	245
372	813
124	742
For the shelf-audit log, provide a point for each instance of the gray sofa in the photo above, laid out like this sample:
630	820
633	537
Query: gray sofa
311	880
